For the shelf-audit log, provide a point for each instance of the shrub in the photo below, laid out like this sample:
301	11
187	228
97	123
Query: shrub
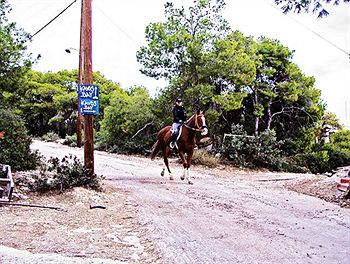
290	164
324	158
56	175
70	140
251	151
51	137
127	147
316	162
15	143
203	158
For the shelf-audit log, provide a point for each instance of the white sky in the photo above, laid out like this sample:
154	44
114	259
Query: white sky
118	32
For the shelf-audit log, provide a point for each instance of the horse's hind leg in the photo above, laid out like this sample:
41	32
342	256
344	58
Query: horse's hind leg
166	162
185	165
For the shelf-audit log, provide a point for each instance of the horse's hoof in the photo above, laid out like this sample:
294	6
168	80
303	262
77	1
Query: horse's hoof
162	173
182	178
171	178
190	183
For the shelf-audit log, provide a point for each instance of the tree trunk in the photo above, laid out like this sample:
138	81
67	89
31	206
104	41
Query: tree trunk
256	131
257	119
269	116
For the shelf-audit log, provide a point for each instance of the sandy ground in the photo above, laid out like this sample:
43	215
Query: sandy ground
227	216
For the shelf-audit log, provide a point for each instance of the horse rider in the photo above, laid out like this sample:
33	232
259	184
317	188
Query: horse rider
179	117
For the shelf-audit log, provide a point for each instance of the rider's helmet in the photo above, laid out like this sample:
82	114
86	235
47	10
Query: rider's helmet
178	100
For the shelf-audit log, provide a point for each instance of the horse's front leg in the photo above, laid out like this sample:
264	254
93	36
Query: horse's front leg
187	170
184	163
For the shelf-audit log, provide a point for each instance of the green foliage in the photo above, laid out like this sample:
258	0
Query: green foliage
56	175
327	157
315	161
341	139
51	137
247	81
187	50
15	145
252	151
283	98
127	121
49	101
175	46
72	140
14	61
301	142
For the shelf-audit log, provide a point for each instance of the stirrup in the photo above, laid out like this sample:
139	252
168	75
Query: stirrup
171	145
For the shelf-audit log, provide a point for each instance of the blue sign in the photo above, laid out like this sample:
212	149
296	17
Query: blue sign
88	99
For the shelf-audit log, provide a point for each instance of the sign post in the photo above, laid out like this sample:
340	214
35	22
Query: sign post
88	99
86	46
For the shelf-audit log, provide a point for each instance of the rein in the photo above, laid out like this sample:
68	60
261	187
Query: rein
197	128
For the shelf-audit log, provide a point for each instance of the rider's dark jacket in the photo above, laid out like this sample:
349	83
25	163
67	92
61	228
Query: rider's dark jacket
179	114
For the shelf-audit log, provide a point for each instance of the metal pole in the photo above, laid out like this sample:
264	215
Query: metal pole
88	79
80	77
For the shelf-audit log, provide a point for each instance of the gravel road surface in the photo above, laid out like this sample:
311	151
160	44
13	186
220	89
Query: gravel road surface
227	216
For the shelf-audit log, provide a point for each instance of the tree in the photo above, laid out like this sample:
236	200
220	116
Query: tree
199	55
176	46
127	120
15	142
14	61
305	5
49	101
281	96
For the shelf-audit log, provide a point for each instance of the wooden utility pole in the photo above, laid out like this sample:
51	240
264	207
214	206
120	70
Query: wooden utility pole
80	75
88	79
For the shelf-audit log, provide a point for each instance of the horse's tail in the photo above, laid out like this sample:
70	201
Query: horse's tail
155	150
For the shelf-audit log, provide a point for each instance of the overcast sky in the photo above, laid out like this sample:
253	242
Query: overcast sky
118	32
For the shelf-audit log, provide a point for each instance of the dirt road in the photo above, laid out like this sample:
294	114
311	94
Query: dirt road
226	216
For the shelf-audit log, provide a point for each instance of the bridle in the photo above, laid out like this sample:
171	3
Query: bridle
197	127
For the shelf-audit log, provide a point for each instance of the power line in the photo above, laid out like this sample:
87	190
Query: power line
53	19
308	28
118	27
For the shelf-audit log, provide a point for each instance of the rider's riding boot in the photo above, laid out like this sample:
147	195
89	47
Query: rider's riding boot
172	141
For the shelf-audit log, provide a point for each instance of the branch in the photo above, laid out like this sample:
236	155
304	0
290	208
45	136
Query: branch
289	109
144	127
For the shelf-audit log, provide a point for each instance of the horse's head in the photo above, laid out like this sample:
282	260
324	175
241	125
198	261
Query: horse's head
197	122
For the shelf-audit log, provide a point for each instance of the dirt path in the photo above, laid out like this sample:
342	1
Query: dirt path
226	216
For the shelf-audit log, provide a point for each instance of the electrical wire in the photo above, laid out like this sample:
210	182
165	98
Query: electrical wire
314	32
53	19
118	27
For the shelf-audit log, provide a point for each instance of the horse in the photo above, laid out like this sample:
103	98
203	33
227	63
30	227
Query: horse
185	143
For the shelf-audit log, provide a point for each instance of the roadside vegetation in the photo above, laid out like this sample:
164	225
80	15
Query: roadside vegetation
262	110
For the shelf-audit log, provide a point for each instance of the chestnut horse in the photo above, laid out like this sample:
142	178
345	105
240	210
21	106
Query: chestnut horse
185	143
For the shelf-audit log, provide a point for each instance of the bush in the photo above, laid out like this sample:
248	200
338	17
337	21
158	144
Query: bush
290	164
70	140
251	151
203	158
324	158
128	147
15	143
51	137
56	175
316	162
